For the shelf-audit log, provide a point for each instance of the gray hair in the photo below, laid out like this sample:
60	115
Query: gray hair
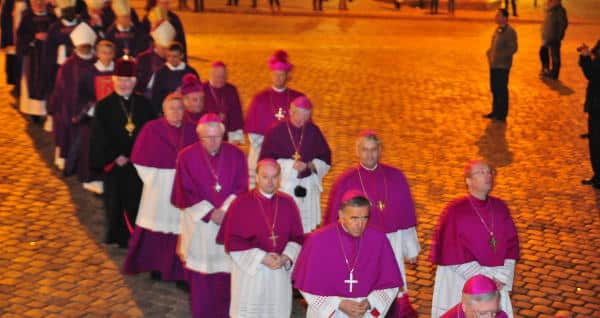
372	137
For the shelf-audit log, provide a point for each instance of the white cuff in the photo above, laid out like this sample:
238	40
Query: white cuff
248	260
291	250
410	242
256	140
236	135
227	203
199	210
381	300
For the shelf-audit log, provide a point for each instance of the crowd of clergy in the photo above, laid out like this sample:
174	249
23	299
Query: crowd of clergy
136	124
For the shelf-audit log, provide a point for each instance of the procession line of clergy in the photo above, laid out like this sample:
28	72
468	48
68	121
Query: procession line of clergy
191	188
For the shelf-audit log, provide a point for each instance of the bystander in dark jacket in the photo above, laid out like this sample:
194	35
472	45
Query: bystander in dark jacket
589	61
553	31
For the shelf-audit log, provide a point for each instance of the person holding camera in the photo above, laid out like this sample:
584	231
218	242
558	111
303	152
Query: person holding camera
301	150
590	65
500	54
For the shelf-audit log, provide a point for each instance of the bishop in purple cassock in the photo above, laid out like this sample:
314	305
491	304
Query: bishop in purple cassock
32	47
300	148
209	175
262	232
480	298
269	106
168	78
392	205
475	234
348	269
193	98
72	96
222	98
153	244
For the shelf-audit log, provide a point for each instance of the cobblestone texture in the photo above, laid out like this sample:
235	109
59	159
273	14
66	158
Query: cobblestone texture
422	84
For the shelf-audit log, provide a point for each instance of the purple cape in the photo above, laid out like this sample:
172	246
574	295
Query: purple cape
278	144
386	184
159	142
148	63
460	237
246	228
321	268
264	106
194	181
224	101
457	312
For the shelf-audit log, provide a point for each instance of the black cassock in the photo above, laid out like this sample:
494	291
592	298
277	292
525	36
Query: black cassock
37	67
109	139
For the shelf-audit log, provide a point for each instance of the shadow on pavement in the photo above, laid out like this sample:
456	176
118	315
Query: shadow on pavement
558	86
493	146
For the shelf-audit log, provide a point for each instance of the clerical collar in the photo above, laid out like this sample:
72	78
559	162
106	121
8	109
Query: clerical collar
372	169
125	97
478	200
68	23
122	28
41	14
85	56
266	195
348	233
179	67
103	68
178	125
213	86
279	90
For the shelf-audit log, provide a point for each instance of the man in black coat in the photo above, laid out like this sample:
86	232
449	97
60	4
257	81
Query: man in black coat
118	119
553	31
590	65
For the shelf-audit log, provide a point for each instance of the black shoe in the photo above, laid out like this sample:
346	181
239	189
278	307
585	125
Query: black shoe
584	136
591	181
596	185
155	275
182	286
502	119
490	116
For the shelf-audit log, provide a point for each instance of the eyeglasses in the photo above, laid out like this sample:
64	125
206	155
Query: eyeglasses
211	137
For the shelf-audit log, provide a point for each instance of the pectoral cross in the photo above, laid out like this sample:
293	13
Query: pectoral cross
492	241
218	187
296	156
273	238
351	281
280	114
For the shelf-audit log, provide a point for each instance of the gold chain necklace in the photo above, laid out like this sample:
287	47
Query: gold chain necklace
296	154
492	239
273	237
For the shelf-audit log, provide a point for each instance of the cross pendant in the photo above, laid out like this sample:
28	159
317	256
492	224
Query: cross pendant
351	281
273	238
296	156
492	241
280	114
218	187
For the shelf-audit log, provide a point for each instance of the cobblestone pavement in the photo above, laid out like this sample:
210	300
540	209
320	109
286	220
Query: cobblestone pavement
422	84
